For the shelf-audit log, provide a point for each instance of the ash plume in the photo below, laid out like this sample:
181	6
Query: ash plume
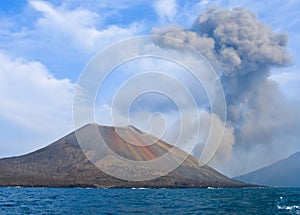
243	50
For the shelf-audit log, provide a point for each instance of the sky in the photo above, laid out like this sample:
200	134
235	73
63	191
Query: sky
46	45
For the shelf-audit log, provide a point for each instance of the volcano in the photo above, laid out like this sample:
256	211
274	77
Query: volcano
65	163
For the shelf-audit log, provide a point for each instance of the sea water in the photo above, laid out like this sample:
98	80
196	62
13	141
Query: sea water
18	200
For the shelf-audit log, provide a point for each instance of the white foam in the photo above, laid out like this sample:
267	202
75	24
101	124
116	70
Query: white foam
288	207
139	188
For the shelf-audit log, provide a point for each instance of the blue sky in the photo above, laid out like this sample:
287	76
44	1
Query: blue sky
45	45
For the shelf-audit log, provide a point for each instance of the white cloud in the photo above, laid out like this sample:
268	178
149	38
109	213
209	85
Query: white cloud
32	99
286	77
35	106
204	2
103	4
166	9
77	27
289	82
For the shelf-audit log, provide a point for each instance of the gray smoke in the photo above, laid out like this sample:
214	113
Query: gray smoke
243	51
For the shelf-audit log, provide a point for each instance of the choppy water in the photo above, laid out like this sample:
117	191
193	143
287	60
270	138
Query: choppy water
149	201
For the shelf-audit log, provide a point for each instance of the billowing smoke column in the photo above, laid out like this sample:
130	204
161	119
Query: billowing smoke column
243	50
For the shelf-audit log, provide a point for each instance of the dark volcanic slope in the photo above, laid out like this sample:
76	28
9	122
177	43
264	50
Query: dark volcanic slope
63	164
284	173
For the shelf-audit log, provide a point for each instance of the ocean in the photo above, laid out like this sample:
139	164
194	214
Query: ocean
14	200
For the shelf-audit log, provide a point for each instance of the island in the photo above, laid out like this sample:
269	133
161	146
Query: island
64	164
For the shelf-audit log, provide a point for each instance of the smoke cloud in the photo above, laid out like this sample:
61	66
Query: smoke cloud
243	50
